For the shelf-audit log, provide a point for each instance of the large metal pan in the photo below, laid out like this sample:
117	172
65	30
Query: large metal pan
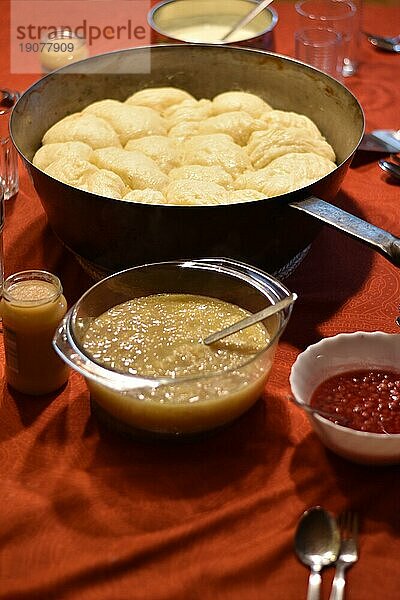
110	235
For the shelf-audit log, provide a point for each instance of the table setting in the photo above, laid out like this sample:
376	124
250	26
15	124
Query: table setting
260	459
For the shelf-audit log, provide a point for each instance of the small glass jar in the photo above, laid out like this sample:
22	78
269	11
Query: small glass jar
60	48
32	307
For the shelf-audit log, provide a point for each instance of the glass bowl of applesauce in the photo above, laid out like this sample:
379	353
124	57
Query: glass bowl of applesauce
137	338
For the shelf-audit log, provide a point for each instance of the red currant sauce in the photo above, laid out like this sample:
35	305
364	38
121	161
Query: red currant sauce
366	400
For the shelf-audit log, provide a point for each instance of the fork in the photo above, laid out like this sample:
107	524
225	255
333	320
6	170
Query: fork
348	524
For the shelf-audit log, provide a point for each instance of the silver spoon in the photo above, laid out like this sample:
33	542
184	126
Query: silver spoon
251	320
317	411
391	44
317	545
247	19
390	167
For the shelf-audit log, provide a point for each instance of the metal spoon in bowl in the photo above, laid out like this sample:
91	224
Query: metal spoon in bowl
251	320
317	411
247	19
317	544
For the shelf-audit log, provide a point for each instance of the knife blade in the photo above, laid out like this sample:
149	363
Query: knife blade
381	140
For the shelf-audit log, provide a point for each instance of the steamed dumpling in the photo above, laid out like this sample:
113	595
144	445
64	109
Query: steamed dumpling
202	173
239	101
82	174
163	146
159	98
51	152
105	183
87	128
286	173
189	191
188	110
130	122
238	124
146	196
184	130
307	166
73	171
285	119
137	170
265	146
216	150
245	195
165	151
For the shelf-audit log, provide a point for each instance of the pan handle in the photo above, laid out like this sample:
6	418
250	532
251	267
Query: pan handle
378	239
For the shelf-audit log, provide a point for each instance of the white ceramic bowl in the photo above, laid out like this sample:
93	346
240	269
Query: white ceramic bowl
337	354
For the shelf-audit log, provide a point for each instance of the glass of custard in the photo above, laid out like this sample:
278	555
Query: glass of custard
32	307
137	337
60	48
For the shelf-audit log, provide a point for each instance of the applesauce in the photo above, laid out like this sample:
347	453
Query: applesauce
187	385
32	307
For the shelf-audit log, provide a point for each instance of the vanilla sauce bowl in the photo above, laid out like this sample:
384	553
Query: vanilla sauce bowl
207	21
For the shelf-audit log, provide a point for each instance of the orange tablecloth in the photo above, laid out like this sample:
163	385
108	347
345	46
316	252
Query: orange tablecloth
88	514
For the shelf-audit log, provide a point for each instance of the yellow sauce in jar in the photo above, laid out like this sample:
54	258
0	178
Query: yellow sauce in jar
61	50
32	307
161	336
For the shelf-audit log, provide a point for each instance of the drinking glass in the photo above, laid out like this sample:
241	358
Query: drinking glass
341	16
1	241
8	153
320	48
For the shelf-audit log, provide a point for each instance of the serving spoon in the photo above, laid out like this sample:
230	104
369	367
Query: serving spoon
312	410
317	545
247	19
251	320
391	44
